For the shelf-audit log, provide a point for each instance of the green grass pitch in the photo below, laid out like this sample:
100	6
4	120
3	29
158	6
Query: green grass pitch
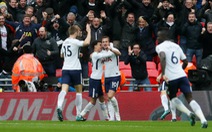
101	126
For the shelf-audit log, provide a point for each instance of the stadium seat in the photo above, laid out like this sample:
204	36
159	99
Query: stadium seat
89	68
128	73
58	72
151	65
122	66
152	74
194	60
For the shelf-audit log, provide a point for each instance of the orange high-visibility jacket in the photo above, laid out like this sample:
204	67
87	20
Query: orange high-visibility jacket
26	67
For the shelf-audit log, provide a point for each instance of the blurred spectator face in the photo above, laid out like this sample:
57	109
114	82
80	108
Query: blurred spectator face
136	49
189	4
2	20
96	22
39	2
4	10
27	21
130	18
12	3
71	18
91	17
209	27
105	43
146	2
170	18
42	33
22	3
191	18
142	22
165	4
194	2
29	11
56	25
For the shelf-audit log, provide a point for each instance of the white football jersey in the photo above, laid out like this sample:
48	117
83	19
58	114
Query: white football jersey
111	64
173	56
97	64
70	50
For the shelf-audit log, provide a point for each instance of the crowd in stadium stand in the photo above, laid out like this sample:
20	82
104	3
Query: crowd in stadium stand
126	22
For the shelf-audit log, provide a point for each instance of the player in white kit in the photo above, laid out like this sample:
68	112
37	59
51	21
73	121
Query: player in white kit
111	74
172	72
71	70
95	86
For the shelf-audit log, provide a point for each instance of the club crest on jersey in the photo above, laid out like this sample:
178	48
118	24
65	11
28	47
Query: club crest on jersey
107	59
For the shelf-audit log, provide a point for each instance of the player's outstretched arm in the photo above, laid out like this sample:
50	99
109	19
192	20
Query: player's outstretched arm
162	57
88	38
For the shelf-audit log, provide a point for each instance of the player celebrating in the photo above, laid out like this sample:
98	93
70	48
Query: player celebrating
95	86
111	74
71	70
172	72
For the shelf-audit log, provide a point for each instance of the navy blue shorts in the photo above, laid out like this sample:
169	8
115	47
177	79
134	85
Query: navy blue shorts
163	86
95	88
73	77
182	84
112	83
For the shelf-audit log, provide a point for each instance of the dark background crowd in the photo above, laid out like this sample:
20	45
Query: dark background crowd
126	22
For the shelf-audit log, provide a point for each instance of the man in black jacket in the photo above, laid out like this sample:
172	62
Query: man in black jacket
137	60
45	49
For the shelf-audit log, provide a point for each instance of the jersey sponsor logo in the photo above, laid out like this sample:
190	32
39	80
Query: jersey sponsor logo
28	34
107	59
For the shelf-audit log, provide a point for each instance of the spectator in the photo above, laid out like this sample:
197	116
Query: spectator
58	29
39	7
192	30
12	8
13	53
27	28
206	11
21	10
71	19
5	40
144	38
26	68
74	10
142	8
160	13
29	11
4	11
46	49
61	7
115	10
172	25
205	39
137	60
94	5
182	17
128	34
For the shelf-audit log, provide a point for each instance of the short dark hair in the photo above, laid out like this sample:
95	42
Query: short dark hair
27	48
136	44
94	43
